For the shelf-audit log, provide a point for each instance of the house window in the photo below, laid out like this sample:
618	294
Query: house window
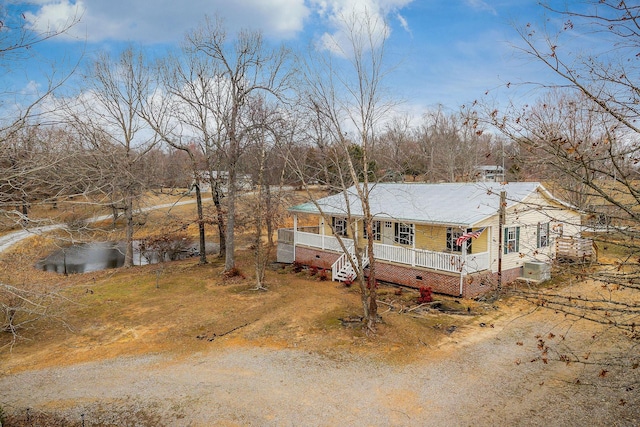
339	226
543	235
404	234
511	239
388	224
452	235
375	231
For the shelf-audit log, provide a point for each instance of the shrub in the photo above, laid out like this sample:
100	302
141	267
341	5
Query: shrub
425	295
348	281
297	267
313	271
322	275
234	272
165	246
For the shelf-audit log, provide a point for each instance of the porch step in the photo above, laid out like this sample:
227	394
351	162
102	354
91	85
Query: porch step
342	270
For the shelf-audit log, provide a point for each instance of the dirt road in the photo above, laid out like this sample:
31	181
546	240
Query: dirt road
481	376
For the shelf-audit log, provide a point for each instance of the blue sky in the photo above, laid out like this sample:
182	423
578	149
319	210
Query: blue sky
447	52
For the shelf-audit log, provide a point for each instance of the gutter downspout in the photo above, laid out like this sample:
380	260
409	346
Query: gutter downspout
295	232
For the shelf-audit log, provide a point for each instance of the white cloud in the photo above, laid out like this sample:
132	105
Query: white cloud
481	5
150	21
338	15
32	88
54	16
403	23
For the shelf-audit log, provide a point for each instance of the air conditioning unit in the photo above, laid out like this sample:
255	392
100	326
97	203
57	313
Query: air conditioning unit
537	271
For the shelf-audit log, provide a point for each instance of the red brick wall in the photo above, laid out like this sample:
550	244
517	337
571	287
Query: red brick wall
443	283
315	257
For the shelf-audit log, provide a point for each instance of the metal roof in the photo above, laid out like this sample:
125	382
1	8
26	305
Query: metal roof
463	204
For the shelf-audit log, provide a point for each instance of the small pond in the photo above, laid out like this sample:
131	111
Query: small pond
87	257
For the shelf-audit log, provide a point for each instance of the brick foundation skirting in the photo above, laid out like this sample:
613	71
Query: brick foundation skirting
315	258
474	285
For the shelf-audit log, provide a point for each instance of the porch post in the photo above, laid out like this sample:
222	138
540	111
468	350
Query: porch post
413	251
463	266
322	231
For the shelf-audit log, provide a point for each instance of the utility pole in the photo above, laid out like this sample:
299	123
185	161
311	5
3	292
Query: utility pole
501	218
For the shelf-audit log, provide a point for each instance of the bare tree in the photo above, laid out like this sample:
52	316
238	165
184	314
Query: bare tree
347	105
187	116
32	159
583	131
107	115
246	67
395	149
21	142
17	38
271	130
449	146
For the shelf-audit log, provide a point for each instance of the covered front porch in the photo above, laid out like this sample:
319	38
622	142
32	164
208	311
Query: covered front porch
312	237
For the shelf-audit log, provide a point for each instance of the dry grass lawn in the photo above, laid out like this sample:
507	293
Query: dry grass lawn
183	307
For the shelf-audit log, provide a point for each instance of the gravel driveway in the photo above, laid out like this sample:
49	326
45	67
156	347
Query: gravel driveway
483	377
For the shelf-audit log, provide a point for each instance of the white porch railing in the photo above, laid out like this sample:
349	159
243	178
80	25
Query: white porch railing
429	259
477	262
442	261
323	242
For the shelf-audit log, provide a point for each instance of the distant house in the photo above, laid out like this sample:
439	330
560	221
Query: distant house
416	229
243	181
490	173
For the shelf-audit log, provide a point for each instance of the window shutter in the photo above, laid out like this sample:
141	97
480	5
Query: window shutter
505	243
517	239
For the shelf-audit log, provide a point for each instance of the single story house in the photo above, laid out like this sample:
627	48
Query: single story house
244	182
417	229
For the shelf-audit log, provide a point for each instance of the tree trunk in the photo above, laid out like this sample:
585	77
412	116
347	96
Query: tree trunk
203	245
128	212
269	213
229	260
114	211
216	195
372	288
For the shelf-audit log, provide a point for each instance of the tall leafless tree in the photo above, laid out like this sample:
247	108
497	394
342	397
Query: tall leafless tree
25	152
346	101
107	115
187	115
583	132
247	67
